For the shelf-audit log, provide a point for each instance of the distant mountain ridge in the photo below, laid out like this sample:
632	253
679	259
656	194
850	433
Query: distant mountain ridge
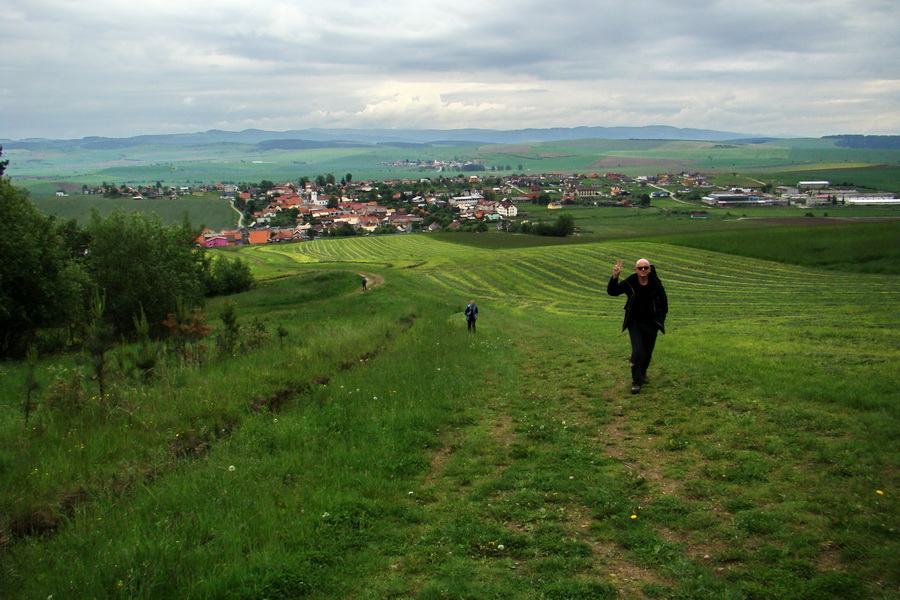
343	137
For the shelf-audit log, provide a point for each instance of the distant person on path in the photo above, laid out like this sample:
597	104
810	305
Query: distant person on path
365	283
645	314
471	315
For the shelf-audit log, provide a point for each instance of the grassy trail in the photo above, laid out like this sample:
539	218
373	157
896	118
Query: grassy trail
566	486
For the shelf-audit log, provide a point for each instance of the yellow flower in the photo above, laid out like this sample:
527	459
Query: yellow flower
879	492
634	516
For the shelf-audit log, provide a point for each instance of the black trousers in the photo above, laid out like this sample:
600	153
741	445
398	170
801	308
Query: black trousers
643	339
471	324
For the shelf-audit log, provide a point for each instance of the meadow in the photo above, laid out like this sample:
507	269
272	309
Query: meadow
378	450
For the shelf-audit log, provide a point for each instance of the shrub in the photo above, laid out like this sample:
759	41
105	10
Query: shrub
141	263
229	277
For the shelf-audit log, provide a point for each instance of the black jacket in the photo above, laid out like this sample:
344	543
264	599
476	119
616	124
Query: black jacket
617	287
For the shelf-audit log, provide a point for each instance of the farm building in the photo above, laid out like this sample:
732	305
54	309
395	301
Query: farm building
812	185
724	199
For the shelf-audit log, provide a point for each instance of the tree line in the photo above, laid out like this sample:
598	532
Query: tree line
53	273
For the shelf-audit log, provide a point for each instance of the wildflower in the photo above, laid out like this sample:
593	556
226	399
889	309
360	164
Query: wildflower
634	516
501	547
231	468
879	492
325	515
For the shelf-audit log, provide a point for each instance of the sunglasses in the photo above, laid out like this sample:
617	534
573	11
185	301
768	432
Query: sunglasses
643	268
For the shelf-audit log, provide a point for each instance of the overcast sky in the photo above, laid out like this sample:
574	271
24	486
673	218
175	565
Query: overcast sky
73	68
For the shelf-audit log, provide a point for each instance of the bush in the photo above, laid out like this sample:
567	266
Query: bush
141	263
229	277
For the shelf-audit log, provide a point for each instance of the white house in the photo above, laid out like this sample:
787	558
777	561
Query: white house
507	209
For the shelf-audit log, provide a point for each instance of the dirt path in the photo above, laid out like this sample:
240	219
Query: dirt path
240	222
374	280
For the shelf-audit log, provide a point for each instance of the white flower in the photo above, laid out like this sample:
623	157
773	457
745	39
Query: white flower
231	468
501	547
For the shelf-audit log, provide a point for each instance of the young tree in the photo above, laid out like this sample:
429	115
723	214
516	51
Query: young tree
140	262
100	339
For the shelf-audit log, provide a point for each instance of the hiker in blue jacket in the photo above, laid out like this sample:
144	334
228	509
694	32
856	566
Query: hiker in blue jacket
645	314
471	316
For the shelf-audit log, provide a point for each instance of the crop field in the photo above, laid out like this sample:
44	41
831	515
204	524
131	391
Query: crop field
883	178
209	211
374	448
250	163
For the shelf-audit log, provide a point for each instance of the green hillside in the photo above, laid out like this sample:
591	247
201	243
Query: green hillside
364	445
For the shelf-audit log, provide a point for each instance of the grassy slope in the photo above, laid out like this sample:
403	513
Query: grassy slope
427	463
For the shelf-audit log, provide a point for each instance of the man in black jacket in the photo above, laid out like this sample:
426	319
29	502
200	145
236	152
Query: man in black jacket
645	314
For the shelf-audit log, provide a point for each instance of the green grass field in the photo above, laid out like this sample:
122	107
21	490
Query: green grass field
208	210
378	450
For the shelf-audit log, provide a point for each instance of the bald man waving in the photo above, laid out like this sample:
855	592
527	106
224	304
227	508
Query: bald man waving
645	314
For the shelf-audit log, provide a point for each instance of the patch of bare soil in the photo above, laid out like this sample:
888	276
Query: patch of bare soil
615	566
438	464
637	455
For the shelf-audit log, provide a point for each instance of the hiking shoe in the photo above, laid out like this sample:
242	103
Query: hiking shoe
636	388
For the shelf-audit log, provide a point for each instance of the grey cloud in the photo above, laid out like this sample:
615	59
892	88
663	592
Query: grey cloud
106	66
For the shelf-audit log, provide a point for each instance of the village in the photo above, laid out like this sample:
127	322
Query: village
309	209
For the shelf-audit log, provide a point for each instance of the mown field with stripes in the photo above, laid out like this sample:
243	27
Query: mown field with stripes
571	280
